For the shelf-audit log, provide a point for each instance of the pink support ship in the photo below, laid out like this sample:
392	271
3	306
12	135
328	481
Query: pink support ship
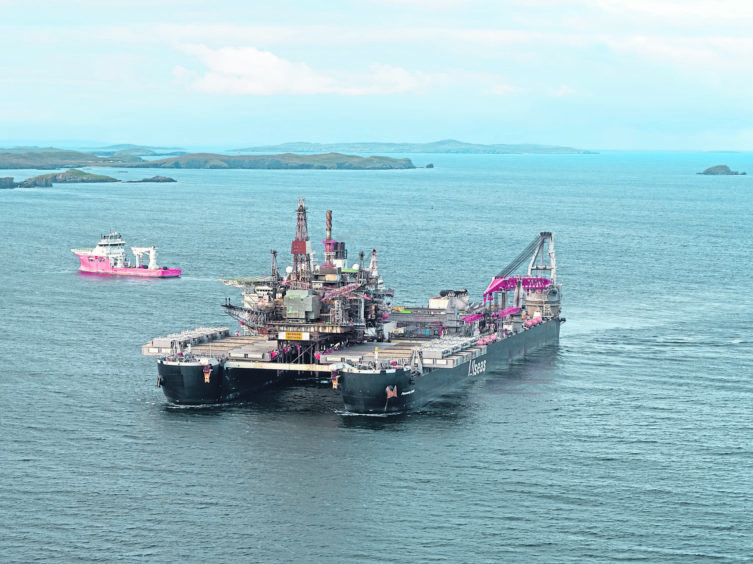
109	258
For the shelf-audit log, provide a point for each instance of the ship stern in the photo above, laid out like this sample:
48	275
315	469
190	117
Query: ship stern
367	391
191	383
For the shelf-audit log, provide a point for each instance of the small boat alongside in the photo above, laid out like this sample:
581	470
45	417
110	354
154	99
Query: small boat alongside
109	258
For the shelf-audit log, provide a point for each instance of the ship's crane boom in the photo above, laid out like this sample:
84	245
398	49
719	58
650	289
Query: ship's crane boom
542	271
138	252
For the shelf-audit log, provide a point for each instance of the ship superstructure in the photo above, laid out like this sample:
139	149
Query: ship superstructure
314	308
287	322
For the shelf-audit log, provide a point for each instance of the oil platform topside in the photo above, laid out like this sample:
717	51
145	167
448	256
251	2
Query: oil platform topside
331	318
314	308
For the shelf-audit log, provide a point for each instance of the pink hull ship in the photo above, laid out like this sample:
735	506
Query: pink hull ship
109	258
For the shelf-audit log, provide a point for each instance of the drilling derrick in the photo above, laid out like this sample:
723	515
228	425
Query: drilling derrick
301	275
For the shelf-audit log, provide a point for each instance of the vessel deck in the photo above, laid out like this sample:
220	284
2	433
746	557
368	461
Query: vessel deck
237	345
254	349
400	351
212	342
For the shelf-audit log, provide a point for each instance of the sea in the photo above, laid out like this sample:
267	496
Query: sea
630	441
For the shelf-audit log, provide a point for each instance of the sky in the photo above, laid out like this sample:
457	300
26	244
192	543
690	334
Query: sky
591	74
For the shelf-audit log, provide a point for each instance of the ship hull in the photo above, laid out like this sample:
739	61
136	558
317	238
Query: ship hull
391	391
92	264
243	383
186	383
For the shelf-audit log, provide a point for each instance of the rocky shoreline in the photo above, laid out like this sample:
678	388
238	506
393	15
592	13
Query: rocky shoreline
71	176
47	180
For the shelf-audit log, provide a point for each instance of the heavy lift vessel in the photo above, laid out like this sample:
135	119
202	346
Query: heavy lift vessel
338	321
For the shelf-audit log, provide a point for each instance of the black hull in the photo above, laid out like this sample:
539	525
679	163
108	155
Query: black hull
186	383
396	391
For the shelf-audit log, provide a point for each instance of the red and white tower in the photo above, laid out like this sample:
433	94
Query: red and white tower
301	275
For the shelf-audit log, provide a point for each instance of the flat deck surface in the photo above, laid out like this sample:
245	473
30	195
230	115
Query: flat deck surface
395	350
223	347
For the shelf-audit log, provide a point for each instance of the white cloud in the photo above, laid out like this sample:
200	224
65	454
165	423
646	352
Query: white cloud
389	79
698	12
429	4
502	90
703	15
684	52
564	90
732	54
247	70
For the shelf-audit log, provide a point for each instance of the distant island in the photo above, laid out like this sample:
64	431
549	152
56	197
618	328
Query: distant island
444	146
70	176
720	170
51	158
127	151
295	156
153	179
333	161
46	180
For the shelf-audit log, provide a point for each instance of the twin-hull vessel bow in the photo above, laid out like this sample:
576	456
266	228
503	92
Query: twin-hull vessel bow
109	258
433	349
337	320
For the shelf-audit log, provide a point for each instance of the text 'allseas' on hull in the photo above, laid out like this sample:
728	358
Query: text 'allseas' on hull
363	389
336	321
398	389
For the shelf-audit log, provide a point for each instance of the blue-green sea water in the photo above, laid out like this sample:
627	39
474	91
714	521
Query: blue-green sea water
630	441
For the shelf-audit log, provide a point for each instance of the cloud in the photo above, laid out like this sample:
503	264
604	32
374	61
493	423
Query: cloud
502	90
429	4
685	52
247	70
667	14
563	91
733	54
696	12
390	79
